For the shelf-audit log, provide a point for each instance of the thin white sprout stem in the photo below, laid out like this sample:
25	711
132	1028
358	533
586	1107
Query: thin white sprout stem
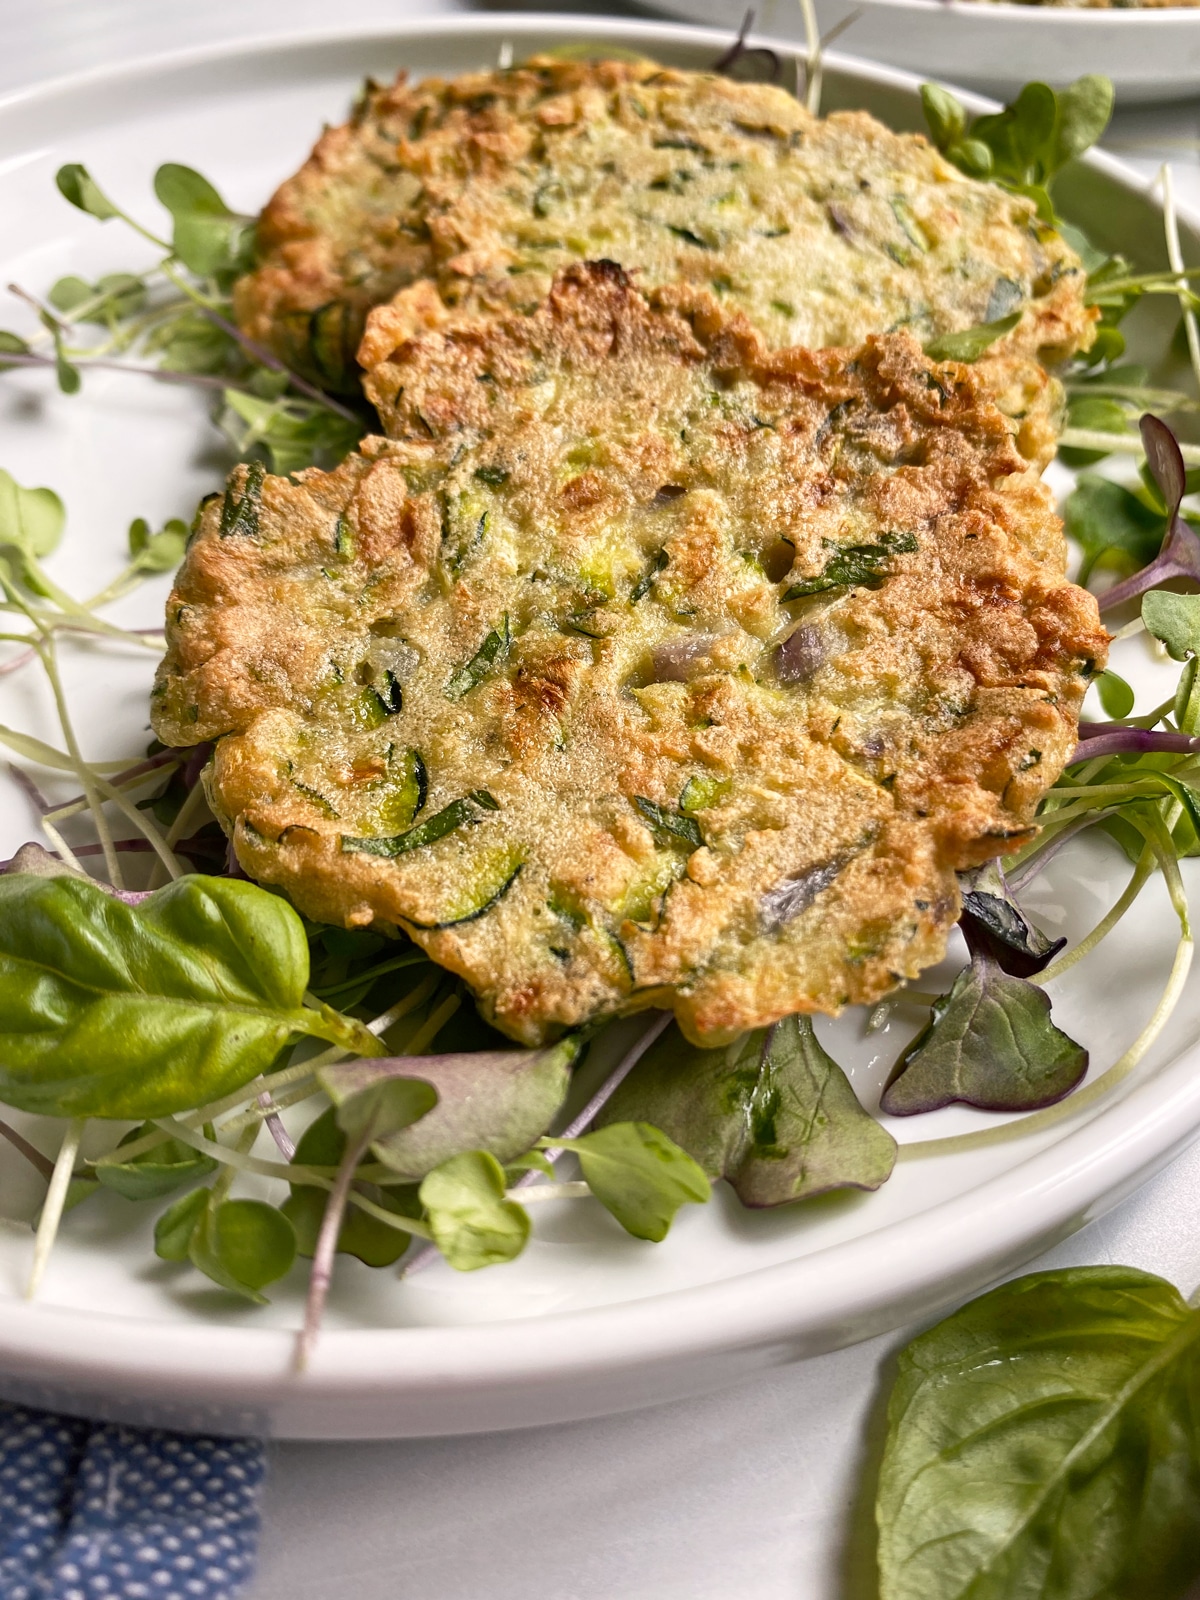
1129	444
548	1191
814	69
188	813
144	825
1137	882
52	1208
1175	257
613	1082
430	1029
72	808
578	1124
45	755
61	845
87	776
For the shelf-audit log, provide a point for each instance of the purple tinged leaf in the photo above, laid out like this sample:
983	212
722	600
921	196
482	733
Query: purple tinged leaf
994	923
1178	558
1180	553
1165	460
773	1113
792	897
801	655
498	1101
991	1044
679	659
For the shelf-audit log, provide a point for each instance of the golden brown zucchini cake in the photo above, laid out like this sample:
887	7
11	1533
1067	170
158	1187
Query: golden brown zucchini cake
821	231
646	666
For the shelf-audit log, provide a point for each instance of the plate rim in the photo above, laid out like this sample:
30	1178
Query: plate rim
913	1266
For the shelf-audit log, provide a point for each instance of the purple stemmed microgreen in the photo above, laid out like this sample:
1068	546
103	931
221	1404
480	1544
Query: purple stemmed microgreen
577	1125
384	1106
1179	556
740	51
1097	739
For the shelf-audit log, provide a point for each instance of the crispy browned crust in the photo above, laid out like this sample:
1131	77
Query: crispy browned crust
547	467
480	187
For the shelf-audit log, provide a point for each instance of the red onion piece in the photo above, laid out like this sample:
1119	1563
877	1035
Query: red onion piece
676	661
801	655
789	899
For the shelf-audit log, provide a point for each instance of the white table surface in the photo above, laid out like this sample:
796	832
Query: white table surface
748	1494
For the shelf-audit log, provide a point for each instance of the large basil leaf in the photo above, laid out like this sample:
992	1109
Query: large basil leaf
990	1043
773	1113
112	1010
494	1100
1045	1442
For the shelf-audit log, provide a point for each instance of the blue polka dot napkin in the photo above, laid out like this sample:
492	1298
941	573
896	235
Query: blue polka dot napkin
92	1511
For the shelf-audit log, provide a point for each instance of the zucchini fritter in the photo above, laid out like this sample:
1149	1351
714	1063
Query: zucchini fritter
821	231
646	666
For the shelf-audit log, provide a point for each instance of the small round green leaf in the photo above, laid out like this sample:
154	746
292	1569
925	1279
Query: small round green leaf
242	1245
473	1225
76	184
174	1229
639	1175
1116	696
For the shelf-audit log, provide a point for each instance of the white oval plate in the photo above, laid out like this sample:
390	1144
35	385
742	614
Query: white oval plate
995	48
588	1320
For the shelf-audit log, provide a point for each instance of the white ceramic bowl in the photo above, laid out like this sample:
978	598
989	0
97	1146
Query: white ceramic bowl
588	1320
1149	54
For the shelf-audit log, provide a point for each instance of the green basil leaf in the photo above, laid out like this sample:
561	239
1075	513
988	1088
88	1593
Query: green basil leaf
31	520
173	1230
323	1144
990	1043
669	826
1045	1441
1113	527
491	653
243	1245
473	1225
970	344
851	565
76	184
157	1171
1175	619
639	1175
772	1113
499	1101
207	234
134	1012
1099	413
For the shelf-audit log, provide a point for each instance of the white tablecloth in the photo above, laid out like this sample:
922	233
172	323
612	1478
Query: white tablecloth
749	1494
